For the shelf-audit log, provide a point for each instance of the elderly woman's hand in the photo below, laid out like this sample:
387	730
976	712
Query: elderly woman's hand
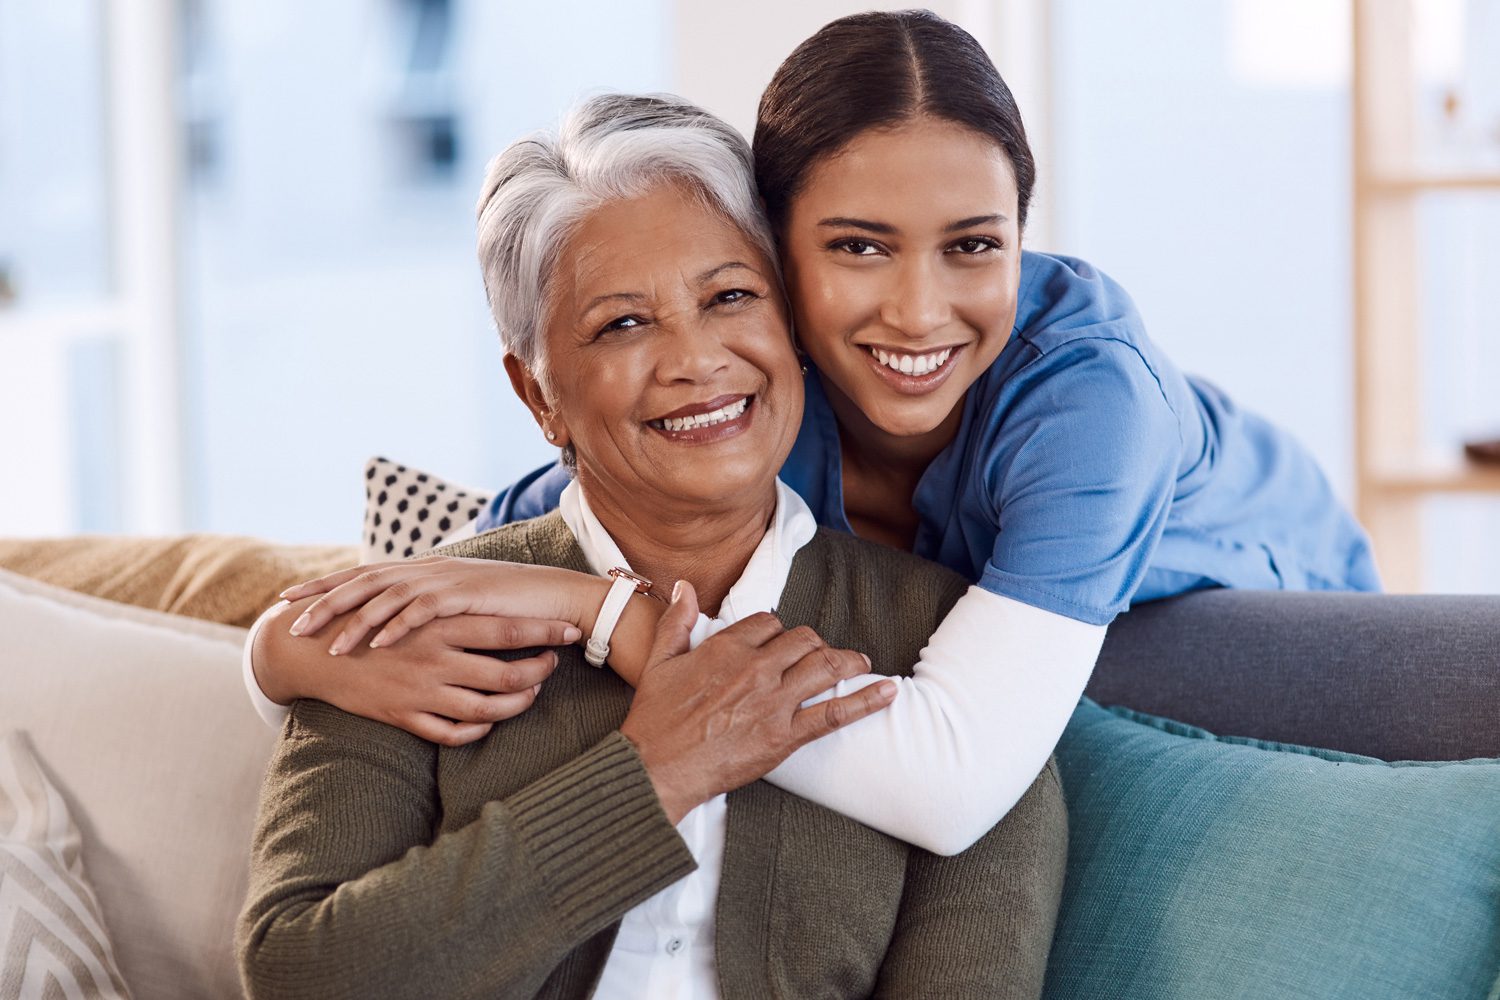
727	713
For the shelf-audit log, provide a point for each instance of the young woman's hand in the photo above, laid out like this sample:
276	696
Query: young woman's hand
721	716
397	597
432	684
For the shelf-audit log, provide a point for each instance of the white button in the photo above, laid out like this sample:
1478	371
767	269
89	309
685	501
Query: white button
674	945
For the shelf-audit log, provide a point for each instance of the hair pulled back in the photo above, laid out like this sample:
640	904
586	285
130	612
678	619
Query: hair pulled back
876	70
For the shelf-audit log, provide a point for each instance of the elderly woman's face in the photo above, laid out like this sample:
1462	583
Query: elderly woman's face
670	363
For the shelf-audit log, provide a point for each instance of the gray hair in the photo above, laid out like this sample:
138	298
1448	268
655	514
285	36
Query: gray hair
609	147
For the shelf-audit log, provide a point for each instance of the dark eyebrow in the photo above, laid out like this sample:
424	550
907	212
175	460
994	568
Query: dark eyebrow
976	220
885	229
841	222
714	272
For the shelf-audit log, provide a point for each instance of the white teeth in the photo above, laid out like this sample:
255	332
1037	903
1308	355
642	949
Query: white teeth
912	364
697	420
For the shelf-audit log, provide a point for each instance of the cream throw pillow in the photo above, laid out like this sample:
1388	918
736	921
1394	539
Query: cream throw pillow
408	511
142	720
52	939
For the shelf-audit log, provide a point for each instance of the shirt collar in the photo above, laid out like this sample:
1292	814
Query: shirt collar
758	588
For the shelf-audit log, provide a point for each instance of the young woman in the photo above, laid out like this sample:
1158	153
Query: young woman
1002	413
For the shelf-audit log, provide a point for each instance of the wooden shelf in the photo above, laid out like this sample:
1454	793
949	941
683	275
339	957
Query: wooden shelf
1436	477
1420	181
1395	473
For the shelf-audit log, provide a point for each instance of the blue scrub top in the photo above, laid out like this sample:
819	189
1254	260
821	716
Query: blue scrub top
1089	473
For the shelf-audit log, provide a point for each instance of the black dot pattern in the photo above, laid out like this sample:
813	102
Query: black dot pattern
409	512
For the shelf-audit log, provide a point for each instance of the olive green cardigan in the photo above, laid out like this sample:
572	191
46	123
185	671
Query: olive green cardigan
385	866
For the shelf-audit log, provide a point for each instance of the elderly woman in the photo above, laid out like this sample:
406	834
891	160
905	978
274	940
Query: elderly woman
615	845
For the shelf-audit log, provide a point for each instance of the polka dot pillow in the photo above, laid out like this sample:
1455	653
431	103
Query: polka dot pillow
408	512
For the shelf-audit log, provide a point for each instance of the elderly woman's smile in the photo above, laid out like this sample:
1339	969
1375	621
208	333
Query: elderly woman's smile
711	421
666	357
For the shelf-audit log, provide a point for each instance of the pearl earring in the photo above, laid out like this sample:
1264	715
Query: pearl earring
551	436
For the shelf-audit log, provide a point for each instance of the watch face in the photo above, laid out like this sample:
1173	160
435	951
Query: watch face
642	585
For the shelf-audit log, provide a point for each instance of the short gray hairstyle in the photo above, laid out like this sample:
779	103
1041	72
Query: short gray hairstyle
609	147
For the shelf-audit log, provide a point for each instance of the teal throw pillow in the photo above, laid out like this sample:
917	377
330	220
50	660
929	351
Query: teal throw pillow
1217	868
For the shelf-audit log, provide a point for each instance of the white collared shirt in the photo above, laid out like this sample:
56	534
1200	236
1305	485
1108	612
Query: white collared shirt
665	948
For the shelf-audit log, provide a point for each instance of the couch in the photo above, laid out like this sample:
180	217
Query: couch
137	715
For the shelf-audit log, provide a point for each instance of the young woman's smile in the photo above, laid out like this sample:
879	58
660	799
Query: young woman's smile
914	374
903	263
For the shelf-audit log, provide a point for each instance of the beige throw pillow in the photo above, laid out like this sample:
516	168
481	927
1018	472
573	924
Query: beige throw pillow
52	937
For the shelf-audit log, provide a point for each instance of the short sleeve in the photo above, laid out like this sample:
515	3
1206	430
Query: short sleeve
533	495
1080	469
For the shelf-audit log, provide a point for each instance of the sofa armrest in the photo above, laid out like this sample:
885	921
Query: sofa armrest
1391	676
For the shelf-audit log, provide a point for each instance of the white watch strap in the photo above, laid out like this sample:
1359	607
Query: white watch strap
596	651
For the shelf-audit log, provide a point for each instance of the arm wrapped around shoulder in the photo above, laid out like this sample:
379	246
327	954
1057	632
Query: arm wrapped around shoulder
968	733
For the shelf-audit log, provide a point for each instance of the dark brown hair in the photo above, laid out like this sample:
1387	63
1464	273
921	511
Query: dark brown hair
878	70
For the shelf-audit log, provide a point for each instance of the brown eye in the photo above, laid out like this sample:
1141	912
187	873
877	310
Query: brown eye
856	247
622	323
975	245
733	296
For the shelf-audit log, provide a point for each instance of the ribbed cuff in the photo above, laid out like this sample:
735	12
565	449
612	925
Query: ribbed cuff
599	836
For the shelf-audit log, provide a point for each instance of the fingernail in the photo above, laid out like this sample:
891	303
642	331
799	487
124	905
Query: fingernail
887	690
337	647
301	622
676	590
379	640
284	595
867	660
572	634
536	689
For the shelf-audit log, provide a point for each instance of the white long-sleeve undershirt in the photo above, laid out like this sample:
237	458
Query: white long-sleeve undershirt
964	738
968	733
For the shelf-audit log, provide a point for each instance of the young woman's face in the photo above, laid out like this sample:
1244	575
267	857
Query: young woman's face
903	258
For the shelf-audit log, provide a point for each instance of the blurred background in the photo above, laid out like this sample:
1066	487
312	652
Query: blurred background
236	239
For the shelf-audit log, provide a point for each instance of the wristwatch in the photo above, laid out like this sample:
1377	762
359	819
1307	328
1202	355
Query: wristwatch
596	650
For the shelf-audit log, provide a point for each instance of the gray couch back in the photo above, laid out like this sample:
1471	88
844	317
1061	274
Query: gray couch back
1390	676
